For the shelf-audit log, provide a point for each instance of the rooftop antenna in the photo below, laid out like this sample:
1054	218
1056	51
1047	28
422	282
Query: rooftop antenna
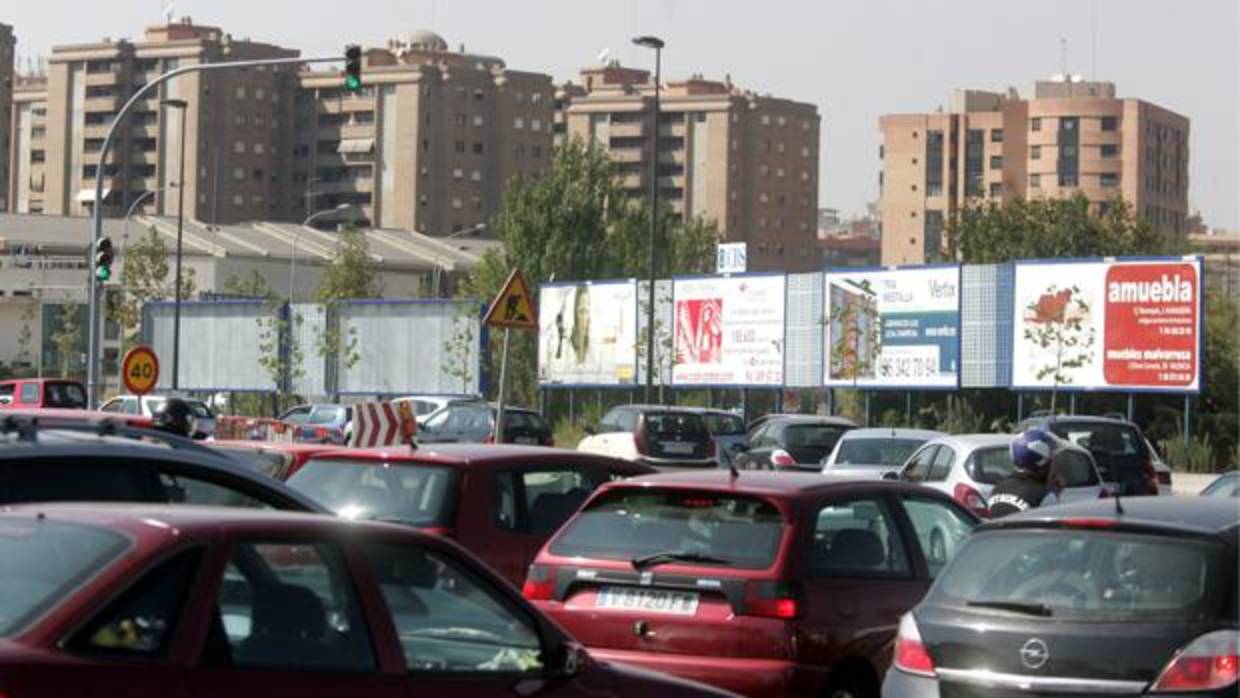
602	56
1063	56
169	11
1093	66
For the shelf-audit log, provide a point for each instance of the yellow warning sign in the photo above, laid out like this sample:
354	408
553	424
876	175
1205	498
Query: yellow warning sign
513	307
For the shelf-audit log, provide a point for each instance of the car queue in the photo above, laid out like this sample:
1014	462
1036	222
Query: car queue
753	574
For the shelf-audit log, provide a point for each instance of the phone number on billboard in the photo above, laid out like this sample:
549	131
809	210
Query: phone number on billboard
907	367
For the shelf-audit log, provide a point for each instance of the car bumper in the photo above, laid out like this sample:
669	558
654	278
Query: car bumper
756	678
678	462
899	684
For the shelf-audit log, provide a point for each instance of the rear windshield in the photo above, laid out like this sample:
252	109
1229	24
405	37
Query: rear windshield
1109	439
666	423
65	395
990	465
1074	469
628	524
819	436
326	415
269	462
524	420
725	425
1088	574
44	561
888	452
413	494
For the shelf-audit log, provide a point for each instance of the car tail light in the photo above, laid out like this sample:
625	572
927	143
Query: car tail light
490	439
972	499
1209	663
320	432
539	584
1164	477
772	600
548	440
637	445
911	656
782	459
1151	476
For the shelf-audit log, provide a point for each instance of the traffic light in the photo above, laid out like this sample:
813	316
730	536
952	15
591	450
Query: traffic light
353	67
103	259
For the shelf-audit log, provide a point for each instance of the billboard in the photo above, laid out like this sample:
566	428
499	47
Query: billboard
587	334
729	330
1131	325
892	328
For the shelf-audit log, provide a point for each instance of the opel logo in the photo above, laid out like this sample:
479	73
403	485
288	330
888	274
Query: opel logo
1034	654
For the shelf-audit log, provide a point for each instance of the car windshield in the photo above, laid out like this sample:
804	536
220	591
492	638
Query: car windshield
66	395
326	414
364	489
990	465
725	425
814	436
1225	486
44	561
1088	574
876	451
674	423
631	524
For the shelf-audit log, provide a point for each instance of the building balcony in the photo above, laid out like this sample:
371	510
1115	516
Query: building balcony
627	154
144	130
634	129
103	104
357	131
106	77
673	129
144	157
632	181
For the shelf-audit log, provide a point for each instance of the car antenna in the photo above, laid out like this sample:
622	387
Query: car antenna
733	472
1119	507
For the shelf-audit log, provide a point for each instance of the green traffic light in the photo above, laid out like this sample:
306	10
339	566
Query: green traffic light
353	82
103	274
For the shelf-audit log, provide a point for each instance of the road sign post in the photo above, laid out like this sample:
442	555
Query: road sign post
512	309
140	370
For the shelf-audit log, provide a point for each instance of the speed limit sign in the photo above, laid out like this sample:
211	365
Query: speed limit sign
140	370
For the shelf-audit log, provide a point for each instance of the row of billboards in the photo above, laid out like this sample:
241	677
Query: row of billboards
1119	324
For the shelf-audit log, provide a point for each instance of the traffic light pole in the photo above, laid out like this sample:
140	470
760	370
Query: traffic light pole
92	353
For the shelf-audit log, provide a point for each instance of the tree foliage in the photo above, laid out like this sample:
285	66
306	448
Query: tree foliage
68	339
991	232
147	274
279	353
575	222
350	274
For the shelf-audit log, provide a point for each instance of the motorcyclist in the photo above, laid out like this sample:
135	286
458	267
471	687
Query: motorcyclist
175	416
1030	481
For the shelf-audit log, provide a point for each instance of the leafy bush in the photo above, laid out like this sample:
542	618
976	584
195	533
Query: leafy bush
1192	456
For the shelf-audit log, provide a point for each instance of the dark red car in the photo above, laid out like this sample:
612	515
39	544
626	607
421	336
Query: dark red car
196	602
500	502
277	459
57	393
767	584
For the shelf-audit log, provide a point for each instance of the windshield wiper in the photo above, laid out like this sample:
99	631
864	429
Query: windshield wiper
640	563
1030	609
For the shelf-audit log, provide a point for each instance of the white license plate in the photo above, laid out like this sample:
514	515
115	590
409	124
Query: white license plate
680	448
527	440
679	603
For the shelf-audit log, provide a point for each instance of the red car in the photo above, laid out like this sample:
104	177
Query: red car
766	584
500	502
56	393
197	602
277	459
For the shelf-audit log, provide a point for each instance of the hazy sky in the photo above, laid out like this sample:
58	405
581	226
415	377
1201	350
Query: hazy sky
854	59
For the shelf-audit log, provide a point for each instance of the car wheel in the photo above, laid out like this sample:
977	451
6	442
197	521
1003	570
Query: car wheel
850	685
938	547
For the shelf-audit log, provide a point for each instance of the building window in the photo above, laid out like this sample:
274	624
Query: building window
1035	152
456	202
1035	124
1109	150
459	146
996	135
518	123
476	176
1067	151
238	200
477	149
259	93
535	152
1067	179
458	173
477	119
518	151
258	148
996	162
1110	123
535	124
996	190
1068	123
1035	181
238	174
241	92
458	119
1109	179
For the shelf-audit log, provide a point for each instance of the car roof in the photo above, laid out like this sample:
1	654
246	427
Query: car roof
1079	419
976	440
711	410
761	482
1182	514
290	446
478	455
660	408
39	380
809	419
891	433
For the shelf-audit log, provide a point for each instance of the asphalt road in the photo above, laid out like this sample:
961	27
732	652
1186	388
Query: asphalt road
1190	483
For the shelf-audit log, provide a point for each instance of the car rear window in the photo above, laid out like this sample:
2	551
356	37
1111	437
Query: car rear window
878	451
64	395
820	436
1074	469
1109	439
1088	574
667	423
725	425
524	420
990	465
627	524
44	561
325	415
363	489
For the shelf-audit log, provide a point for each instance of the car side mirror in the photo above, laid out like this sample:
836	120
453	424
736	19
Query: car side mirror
567	659
891	475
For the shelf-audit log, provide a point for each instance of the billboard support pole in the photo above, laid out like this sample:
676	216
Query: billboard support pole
503	383
1187	405
1072	403
1130	410
908	408
572	417
1020	406
599	402
867	409
830	401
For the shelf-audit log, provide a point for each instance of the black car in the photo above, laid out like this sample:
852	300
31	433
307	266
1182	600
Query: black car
1127	597
105	462
1123	455
474	422
792	442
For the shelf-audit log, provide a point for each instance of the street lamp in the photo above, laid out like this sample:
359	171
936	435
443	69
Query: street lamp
437	275
292	262
655	43
183	106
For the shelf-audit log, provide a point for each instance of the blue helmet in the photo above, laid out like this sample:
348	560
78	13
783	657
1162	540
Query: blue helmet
1032	450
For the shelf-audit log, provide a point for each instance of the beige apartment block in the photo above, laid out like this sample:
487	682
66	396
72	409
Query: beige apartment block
430	143
747	162
235	127
1073	136
28	146
8	44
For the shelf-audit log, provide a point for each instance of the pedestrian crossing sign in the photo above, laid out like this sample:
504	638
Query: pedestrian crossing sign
513	307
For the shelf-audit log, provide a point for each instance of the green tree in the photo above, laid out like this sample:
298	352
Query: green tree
147	274
459	348
275	331
68	338
349	276
574	222
25	338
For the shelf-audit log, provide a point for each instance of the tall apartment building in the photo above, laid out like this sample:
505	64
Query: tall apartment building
430	143
7	73
235	128
745	161
27	152
1073	136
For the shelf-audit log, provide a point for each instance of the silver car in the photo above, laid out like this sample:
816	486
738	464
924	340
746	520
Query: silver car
149	405
728	431
871	453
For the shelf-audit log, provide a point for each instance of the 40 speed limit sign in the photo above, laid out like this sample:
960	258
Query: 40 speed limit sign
140	370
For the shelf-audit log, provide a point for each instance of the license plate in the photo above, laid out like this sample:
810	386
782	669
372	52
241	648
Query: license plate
527	440
678	603
680	448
